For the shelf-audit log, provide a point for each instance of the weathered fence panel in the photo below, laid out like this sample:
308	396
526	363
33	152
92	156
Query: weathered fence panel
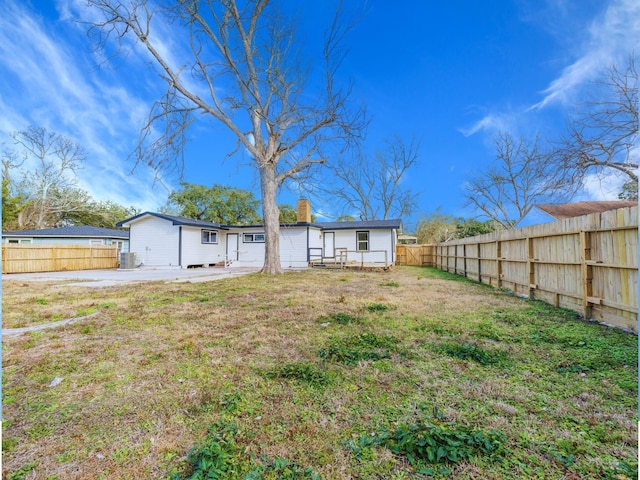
588	264
56	258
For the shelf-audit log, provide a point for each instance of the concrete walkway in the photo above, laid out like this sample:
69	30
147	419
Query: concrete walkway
34	328
114	277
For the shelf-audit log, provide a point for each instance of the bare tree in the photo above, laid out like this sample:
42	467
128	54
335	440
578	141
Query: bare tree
373	187
602	137
49	187
244	68
522	176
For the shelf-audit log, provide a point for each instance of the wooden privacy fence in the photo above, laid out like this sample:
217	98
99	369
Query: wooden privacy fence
418	255
588	264
56	258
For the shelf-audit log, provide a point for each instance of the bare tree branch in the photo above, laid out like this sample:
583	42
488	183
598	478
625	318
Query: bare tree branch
522	176
603	135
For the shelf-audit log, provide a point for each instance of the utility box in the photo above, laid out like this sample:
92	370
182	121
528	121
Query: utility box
127	260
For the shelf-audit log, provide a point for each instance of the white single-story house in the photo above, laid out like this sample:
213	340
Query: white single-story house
552	212
79	235
160	240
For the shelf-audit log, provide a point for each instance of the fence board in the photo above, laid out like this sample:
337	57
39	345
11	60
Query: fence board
56	258
588	264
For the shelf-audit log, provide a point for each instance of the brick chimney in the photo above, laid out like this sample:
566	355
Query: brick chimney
304	211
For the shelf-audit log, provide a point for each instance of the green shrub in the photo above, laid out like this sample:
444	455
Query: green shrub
377	307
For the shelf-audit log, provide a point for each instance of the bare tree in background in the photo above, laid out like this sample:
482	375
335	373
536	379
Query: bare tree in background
49	187
244	68
373	187
602	137
522	176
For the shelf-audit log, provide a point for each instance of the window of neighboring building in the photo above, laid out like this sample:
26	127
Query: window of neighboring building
362	241
209	236
20	241
118	243
96	242
253	238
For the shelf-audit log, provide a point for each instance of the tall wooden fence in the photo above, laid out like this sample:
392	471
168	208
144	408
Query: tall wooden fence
588	264
56	258
417	255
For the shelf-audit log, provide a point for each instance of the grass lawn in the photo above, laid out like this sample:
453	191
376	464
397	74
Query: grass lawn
319	374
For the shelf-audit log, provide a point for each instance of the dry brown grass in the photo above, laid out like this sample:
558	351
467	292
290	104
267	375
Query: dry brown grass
144	378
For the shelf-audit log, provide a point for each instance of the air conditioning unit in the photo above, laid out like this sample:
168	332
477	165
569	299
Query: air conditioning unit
127	260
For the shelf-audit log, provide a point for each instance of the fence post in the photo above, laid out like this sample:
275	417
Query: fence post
498	261
587	273
531	268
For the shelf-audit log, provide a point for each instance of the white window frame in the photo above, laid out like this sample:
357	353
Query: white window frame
366	241
257	237
95	241
207	235
20	241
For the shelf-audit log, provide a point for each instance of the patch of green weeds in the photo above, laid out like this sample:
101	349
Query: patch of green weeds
390	284
218	456
302	372
281	469
377	307
42	301
83	312
340	318
466	351
21	472
365	346
231	401
432	441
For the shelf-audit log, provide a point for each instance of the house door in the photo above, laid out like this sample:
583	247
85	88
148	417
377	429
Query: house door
329	244
232	247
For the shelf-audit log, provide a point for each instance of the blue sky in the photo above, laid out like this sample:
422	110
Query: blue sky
450	74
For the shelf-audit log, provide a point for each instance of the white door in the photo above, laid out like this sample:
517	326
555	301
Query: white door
329	244
232	247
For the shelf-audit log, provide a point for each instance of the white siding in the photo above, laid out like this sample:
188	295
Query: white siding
194	252
250	254
379	239
293	247
154	241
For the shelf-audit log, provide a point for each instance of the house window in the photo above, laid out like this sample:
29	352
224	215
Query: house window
362	241
96	242
209	236
253	238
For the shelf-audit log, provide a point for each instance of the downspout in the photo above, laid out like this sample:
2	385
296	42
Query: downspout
180	246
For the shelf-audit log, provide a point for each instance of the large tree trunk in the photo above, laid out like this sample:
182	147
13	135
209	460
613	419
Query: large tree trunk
271	216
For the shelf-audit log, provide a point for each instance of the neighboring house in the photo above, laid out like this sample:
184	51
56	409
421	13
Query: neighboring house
160	240
82	235
546	213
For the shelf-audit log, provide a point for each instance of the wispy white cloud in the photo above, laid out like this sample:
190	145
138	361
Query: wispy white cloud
490	123
610	38
48	81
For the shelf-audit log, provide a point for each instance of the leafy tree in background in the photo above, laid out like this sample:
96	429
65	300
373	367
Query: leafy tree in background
218	203
521	176
288	214
629	191
373	186
345	218
243	66
602	135
11	207
437	227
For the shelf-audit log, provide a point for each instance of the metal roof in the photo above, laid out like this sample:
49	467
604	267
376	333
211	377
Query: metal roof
561	211
77	231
